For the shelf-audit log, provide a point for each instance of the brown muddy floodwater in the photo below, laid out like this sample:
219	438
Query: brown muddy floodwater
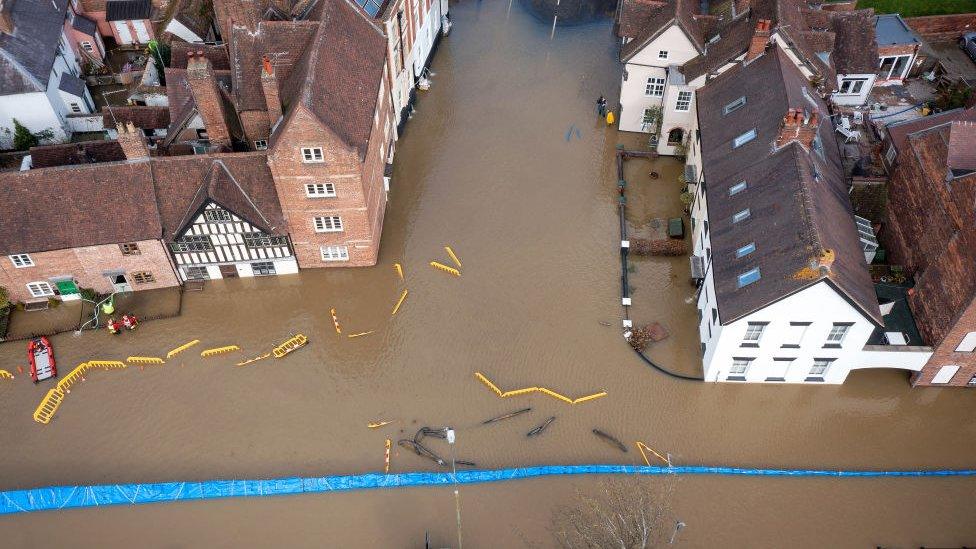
486	167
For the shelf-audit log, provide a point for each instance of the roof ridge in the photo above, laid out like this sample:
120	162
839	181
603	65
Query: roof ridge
220	161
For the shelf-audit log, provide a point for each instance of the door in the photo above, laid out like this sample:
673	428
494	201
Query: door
228	271
122	31
119	283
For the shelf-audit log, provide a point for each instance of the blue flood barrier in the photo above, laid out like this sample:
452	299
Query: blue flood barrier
67	497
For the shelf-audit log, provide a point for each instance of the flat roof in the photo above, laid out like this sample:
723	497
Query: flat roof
900	319
891	29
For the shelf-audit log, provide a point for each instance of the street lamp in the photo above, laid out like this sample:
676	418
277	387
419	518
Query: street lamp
678	525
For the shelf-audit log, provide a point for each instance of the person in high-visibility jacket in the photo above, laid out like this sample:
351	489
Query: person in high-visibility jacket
610	118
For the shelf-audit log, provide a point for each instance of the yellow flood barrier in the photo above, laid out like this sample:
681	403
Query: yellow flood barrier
218	350
445	268
145	360
182	348
255	359
399	302
289	345
386	465
361	334
50	404
65	383
482	378
335	320
641	447
4	374
454	257
107	364
398	269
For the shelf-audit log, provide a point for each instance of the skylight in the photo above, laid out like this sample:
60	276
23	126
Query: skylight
749	277
737	188
746	250
744	138
735	105
372	7
744	214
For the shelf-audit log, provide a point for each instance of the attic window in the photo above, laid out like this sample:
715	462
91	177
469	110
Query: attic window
372	7
749	277
745	250
741	216
735	105
312	154
217	216
662	54
744	138
737	188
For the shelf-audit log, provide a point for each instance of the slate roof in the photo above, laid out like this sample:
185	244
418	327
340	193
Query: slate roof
196	15
891	29
797	197
855	50
283	41
143	117
127	10
100	212
84	25
27	55
67	154
71	84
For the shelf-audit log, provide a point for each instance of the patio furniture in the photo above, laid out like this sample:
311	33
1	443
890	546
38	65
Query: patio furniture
849	135
858	118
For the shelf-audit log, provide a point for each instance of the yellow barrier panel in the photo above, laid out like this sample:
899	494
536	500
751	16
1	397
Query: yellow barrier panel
398	269
335	320
399	302
107	364
289	345
641	447
219	350
482	378
45	410
360	334
450	252
378	424
445	268
76	375
386	466
145	360
255	359
182	348
4	374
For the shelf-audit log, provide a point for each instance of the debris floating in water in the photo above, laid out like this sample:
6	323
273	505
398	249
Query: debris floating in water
610	439
506	416
538	430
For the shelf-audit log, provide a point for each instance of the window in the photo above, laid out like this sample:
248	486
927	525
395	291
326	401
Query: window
317	190
328	224
654	87
972	381
794	335
197	273
852	86
945	374
741	215
714	314
75	107
968	343
890	154
683	104
754	332
335	253
737	188
261	240
217	216
744	138
819	369
192	243
749	277
705	227
675	137
40	289
21	260
143	277
87	46
129	248
735	105
737	372
837	333
746	250
662	54
312	154
261	145
263	268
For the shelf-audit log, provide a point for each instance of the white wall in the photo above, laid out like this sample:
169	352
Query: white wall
33	110
646	64
674	41
686	120
852	99
424	43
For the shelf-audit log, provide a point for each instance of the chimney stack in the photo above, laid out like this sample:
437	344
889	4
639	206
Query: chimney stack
269	83
133	141
800	126
206	94
760	39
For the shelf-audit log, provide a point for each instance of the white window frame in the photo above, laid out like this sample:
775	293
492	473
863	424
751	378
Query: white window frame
654	87
738	188
851	84
21	261
662	54
740	367
744	138
754	333
261	144
320	190
75	107
968	343
334	253
683	101
819	368
87	46
40	288
327	223
312	155
838	332
734	105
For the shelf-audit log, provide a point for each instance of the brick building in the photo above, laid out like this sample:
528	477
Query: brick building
929	230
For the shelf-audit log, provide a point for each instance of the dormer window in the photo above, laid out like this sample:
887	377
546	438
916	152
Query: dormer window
737	188
741	215
744	138
735	105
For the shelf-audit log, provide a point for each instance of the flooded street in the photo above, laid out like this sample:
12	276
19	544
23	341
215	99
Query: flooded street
491	165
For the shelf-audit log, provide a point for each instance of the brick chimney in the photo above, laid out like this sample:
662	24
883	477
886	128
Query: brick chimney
800	126
269	83
133	141
760	39
206	94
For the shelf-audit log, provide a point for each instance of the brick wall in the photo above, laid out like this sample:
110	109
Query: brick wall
86	266
255	124
945	354
942	27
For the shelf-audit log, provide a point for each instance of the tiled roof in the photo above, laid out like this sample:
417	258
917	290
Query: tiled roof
27	55
216	54
127	10
195	15
67	154
99	212
675	12
143	117
798	202
636	15
283	42
855	50
898	133
72	85
962	148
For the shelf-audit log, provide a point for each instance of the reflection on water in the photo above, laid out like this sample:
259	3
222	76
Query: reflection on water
487	168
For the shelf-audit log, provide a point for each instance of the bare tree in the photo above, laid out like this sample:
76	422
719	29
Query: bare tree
625	512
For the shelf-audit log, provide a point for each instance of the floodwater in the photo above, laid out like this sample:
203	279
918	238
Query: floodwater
491	165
